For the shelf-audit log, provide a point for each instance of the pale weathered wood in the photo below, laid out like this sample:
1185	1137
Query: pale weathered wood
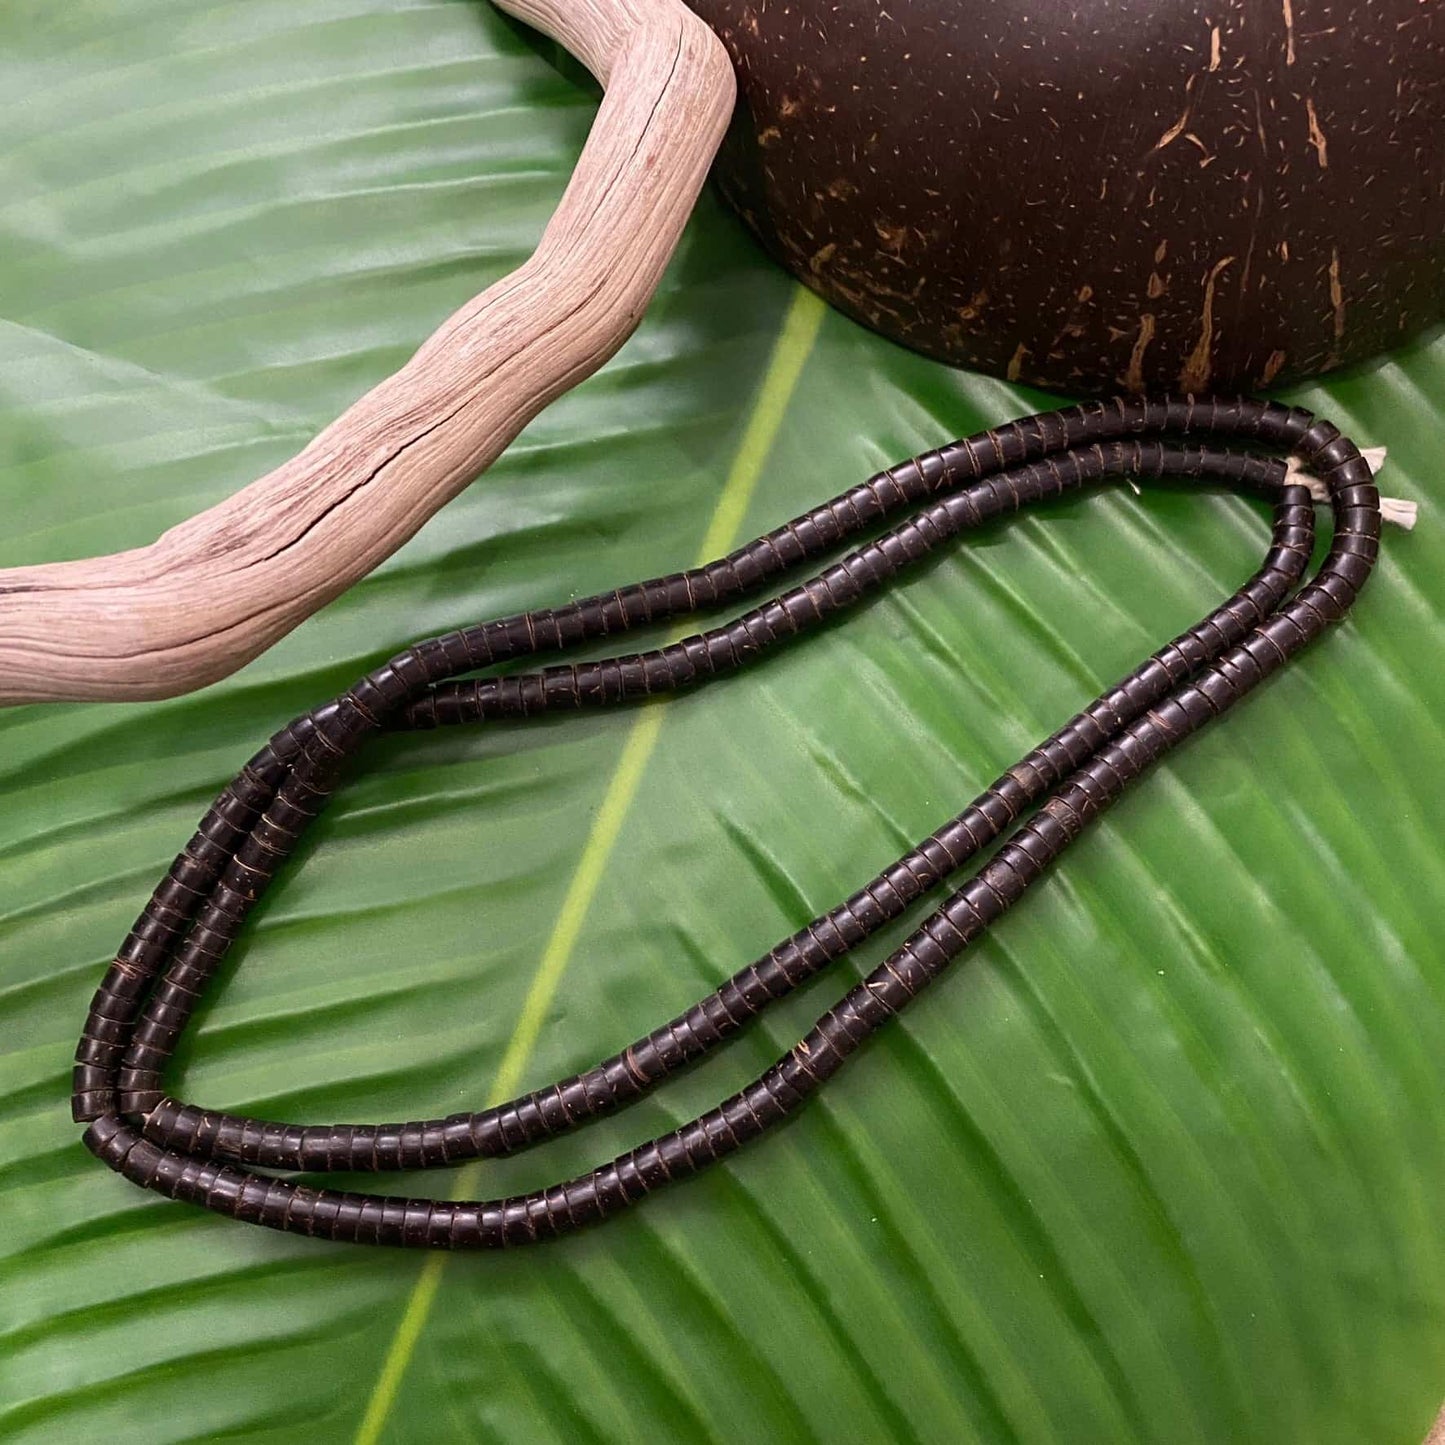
218	589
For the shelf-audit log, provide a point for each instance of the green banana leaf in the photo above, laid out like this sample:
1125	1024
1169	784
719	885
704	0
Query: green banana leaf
1162	1161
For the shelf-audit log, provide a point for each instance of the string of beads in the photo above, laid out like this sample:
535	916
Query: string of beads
176	947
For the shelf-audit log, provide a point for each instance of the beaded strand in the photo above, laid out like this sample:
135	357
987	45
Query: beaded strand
173	952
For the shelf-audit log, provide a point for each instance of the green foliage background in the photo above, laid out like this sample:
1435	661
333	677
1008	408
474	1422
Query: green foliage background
1161	1163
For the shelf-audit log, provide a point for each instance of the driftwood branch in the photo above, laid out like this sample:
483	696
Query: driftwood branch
218	589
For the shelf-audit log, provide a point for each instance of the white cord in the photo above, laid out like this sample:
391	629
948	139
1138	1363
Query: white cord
1394	510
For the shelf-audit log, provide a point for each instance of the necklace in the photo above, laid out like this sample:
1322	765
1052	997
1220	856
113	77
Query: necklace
177	945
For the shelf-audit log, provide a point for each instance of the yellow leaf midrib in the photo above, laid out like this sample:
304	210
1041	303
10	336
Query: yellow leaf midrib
780	379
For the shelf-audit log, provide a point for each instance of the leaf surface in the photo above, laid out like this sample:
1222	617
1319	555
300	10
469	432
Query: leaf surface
1161	1161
